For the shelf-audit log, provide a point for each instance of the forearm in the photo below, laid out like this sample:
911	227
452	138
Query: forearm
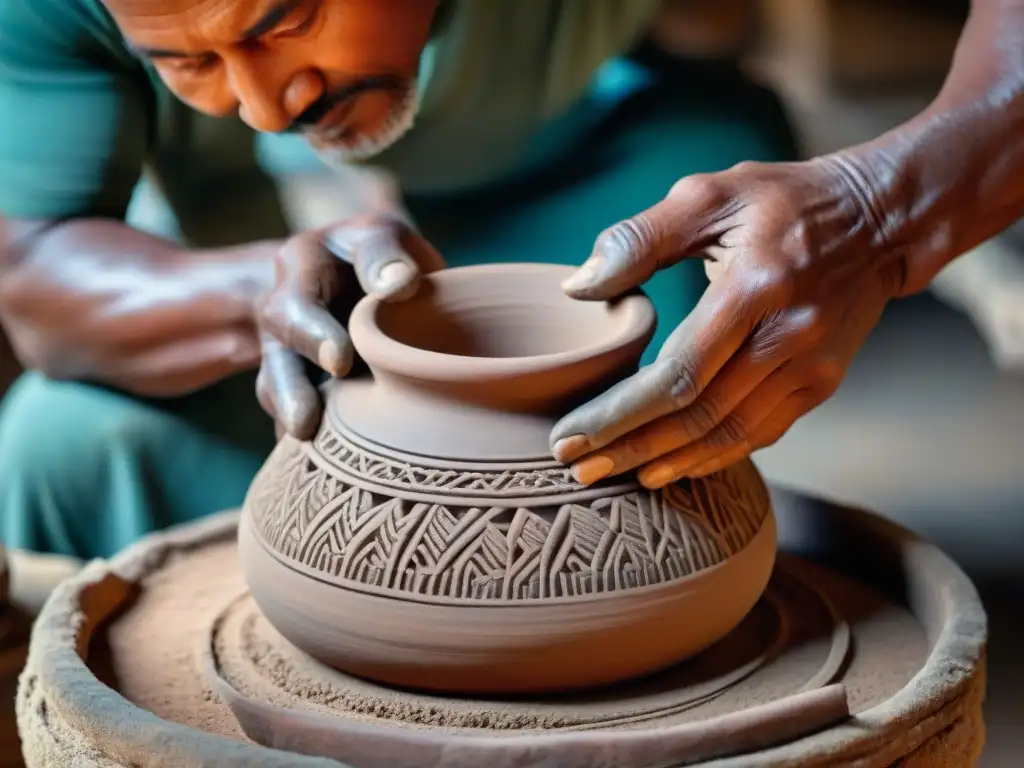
953	176
96	300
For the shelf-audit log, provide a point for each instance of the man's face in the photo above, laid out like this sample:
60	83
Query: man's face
341	71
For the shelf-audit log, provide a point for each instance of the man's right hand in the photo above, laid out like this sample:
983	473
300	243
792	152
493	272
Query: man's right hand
314	272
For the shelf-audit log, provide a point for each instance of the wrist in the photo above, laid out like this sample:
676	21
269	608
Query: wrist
235	277
875	206
953	176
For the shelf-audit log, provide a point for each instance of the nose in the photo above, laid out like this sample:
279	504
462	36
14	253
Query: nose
270	99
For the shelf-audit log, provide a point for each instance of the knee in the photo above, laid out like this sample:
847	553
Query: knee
52	432
68	453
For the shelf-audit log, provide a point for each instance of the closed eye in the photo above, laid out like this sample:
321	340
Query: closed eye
298	23
191	64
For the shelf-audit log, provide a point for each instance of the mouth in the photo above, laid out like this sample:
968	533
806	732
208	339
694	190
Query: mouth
339	136
333	126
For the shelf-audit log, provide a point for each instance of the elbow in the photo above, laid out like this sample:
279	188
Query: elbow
30	311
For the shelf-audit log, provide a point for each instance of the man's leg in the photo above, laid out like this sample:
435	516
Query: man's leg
85	471
626	164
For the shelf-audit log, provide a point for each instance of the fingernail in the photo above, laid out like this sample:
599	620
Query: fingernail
333	358
592	469
585	276
657	476
394	275
571	448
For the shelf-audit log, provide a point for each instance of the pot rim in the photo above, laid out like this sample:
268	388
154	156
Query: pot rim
635	320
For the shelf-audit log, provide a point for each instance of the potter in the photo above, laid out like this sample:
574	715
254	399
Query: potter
498	131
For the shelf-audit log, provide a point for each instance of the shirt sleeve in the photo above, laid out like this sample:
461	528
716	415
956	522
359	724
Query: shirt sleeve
73	112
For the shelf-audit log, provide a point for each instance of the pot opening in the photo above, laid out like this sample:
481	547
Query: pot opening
504	319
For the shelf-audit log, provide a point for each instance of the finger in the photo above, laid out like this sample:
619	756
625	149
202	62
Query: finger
689	360
627	254
263	395
731	436
267	403
744	372
294	401
296	313
308	327
767	433
376	251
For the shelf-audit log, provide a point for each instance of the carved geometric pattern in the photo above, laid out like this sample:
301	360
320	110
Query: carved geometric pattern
358	536
395	473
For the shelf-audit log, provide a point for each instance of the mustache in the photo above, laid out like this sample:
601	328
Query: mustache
319	109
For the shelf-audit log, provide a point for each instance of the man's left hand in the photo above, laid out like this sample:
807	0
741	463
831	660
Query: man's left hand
800	270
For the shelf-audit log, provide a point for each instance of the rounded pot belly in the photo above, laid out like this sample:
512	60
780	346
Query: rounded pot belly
523	647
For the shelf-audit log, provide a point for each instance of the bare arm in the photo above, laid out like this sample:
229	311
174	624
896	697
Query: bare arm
97	300
953	176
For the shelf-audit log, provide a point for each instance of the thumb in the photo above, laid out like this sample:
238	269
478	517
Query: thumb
627	254
373	247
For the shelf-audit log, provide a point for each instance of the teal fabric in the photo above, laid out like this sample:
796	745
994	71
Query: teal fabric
86	470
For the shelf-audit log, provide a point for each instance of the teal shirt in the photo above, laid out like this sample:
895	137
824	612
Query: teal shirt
81	118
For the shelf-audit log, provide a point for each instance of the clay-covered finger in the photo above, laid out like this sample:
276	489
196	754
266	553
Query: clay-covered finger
627	254
739	377
309	279
689	360
767	433
731	437
294	401
305	325
376	251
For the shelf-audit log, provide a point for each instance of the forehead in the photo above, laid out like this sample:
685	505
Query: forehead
190	21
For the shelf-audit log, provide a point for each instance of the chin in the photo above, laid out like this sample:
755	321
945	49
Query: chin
365	146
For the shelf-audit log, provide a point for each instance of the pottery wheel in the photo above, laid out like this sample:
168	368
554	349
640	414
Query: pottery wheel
161	658
793	641
814	627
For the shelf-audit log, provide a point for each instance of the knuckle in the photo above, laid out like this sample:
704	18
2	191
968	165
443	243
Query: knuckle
826	374
366	230
748	167
764	277
271	311
731	432
799	243
698	190
700	418
627	240
807	325
683	388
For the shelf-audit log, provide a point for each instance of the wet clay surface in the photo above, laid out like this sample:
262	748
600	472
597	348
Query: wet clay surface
426	538
154	648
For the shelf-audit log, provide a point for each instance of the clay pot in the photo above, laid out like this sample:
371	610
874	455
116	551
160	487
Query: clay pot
425	538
